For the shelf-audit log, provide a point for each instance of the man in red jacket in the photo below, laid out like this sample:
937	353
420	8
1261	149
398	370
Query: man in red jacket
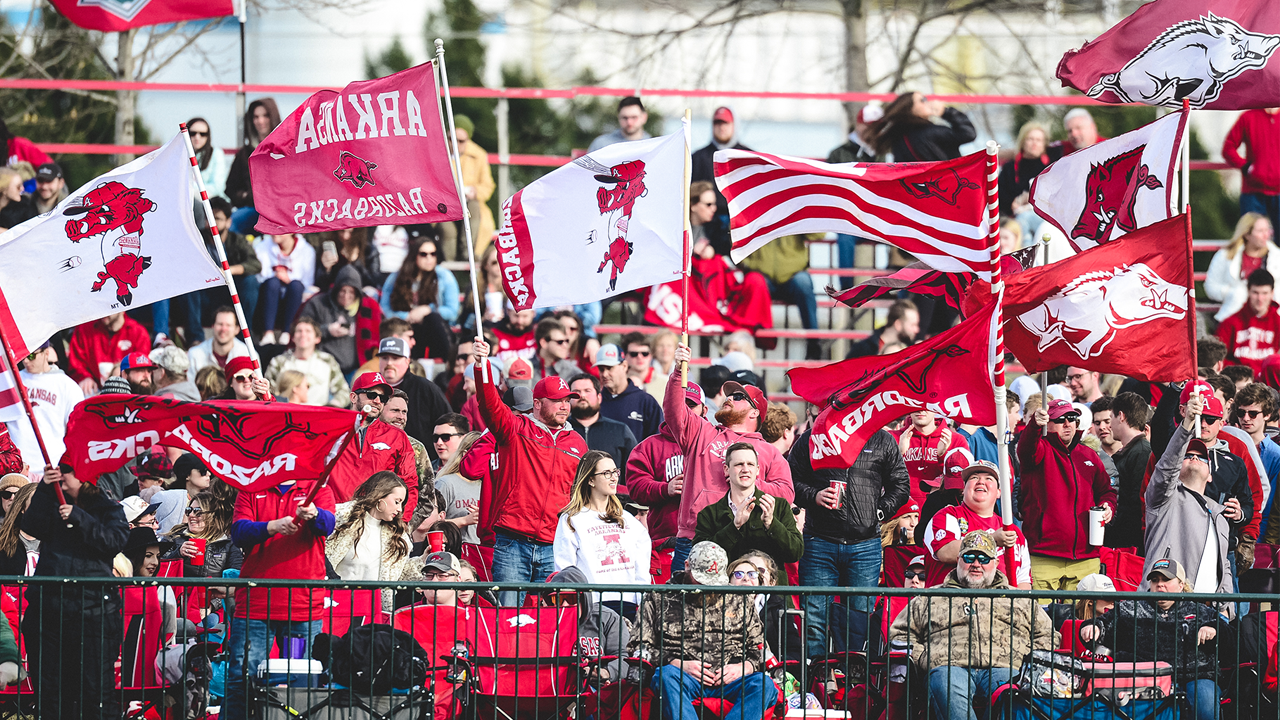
923	444
1061	480
538	457
280	539
98	345
1253	334
377	446
1259	131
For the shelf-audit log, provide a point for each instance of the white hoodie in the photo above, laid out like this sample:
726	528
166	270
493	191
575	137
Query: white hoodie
605	552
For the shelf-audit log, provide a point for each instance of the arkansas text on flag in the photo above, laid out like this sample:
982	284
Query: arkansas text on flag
251	445
124	240
373	154
1216	54
949	374
935	211
604	224
1122	307
1112	188
120	15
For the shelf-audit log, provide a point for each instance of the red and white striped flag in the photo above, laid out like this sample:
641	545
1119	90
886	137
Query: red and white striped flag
935	211
10	400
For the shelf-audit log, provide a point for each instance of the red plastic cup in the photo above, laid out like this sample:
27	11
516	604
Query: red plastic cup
838	486
200	544
435	540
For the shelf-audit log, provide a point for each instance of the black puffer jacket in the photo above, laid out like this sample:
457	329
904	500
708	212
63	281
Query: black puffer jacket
98	531
1139	631
877	486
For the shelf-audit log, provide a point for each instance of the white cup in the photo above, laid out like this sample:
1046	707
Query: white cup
1097	526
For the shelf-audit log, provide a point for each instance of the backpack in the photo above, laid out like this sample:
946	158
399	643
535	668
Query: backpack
373	659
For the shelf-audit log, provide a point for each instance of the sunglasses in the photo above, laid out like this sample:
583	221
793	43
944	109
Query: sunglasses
197	133
194	511
745	574
9	494
976	557
446	437
561	341
563	599
1211	419
739	397
638	353
374	395
914	574
1197	458
242	378
1068	418
1251	414
426	254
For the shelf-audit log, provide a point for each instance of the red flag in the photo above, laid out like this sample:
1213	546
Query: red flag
372	154
918	278
949	374
1216	54
251	445
120	15
1122	307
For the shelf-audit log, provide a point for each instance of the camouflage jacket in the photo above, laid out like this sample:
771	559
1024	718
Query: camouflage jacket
708	627
980	633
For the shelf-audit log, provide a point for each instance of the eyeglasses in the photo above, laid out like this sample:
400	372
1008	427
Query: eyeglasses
914	574
242	378
194	511
638	353
9	494
745	574
435	576
1211	419
1068	418
563	599
1197	458
1251	414
1074	378
613	474
374	395
976	558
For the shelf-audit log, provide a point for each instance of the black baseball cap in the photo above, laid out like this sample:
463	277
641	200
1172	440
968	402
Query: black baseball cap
48	171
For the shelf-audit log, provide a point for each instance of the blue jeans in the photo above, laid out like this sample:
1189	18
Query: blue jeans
681	554
518	560
952	689
845	245
1268	205
246	288
1202	696
830	564
244	661
243	221
751	696
798	291
272	291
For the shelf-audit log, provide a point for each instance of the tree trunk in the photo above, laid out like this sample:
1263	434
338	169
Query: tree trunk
855	52
126	108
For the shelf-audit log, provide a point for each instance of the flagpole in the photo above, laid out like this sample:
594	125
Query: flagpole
1186	157
997	289
222	251
26	405
240	97
1044	376
686	259
457	181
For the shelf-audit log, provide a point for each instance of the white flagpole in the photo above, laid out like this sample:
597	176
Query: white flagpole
222	251
686	258
457	181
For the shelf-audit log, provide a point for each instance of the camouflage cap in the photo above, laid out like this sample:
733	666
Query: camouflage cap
979	541
708	564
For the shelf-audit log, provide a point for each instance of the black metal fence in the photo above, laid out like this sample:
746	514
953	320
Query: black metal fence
280	650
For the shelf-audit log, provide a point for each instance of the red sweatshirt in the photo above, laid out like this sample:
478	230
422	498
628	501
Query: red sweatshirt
1058	486
298	556
1251	339
922	456
1259	130
479	464
383	447
92	344
653	463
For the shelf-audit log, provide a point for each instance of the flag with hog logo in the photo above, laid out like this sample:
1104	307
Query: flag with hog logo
123	241
1100	193
373	153
607	223
1215	54
1124	307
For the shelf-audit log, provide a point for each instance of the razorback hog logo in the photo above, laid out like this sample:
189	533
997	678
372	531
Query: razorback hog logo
1087	313
945	187
1191	60
1108	202
355	170
115	212
914	373
623	185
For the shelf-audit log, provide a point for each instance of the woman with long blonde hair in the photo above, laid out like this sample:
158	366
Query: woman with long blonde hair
370	540
1251	248
207	517
617	557
19	552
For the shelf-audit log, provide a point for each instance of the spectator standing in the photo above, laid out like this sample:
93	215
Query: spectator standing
351	247
1102	426
596	535
19	149
96	347
260	119
1228	478
1251	248
450	429
170	376
640	367
51	188
377	446
244	382
371	539
843	512
778	427
515	335
327	386
622	399
426	402
190	478
746	518
901	327
784	263
655	473
923	444
1033	156
212	161
1082	131
15	206
74	635
348	320
704	644
19	551
425	294
218	350
857	149
724	136
243	264
395	412
288	272
917	129
631	121
1254	404
1259	131
1061	480
461	494
478	186
553	351
601	433
538	457
977	512
970	646
208	517
52	395
1253	334
1083	384
281	538
1130	414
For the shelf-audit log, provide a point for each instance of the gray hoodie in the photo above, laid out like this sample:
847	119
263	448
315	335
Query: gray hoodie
185	390
601	632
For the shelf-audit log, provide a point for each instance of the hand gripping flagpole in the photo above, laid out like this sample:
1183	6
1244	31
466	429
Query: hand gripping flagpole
997	289
457	182
31	415
686	258
222	251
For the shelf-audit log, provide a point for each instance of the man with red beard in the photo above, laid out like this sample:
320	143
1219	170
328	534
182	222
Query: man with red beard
923	444
704	446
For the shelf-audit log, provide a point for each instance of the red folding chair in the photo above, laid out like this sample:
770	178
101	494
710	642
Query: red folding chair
141	687
440	630
345	609
525	664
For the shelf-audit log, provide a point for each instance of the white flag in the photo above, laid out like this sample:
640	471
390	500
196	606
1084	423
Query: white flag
124	240
607	223
1097	194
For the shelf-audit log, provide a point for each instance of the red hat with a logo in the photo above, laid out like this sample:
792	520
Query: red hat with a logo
953	464
370	380
754	394
1212	405
136	361
553	388
520	369
912	505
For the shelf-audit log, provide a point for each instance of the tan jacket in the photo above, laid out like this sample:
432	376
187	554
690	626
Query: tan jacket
707	627
476	174
978	633
339	544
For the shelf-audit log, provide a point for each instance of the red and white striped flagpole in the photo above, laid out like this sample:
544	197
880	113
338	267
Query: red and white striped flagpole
222	251
997	289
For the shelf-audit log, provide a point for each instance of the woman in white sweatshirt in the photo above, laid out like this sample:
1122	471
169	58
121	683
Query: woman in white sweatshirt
599	537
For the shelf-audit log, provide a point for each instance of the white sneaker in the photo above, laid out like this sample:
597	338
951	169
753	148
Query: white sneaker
268	338
283	339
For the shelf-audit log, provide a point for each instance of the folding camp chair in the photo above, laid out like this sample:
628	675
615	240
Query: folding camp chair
525	663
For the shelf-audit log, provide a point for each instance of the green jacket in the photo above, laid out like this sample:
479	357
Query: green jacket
781	259
9	646
781	540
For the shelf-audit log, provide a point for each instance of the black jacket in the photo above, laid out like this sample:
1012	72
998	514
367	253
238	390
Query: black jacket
219	555
934	143
877	486
704	168
1138	631
609	436
86	549
1017	174
426	405
852	152
1230	479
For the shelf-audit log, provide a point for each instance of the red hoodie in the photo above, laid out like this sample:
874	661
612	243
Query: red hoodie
93	344
479	464
299	556
382	447
653	463
1058	486
1259	130
1251	339
922	456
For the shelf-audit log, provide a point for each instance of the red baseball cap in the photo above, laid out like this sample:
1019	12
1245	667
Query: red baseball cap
370	380
236	364
1212	405
722	114
136	361
1058	408
693	392
754	394
953	464
520	369
553	388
